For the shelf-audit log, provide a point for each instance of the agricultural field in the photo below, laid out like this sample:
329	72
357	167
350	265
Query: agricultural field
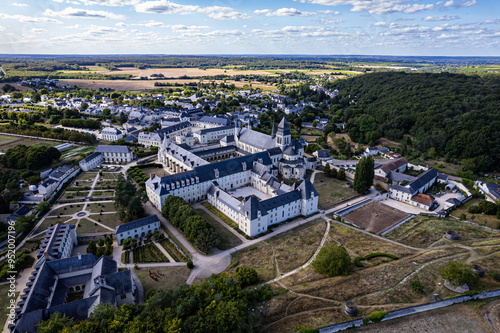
7	142
331	190
423	231
490	220
375	217
170	277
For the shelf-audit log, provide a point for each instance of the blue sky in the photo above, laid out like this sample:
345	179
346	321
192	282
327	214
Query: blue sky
371	27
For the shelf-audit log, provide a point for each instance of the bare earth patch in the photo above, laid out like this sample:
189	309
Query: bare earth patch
375	217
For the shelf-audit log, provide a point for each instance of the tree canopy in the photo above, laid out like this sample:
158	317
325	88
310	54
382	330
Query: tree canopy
363	178
332	260
29	157
459	273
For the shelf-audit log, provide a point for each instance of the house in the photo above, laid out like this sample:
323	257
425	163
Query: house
155	138
491	191
410	193
91	162
137	229
111	134
54	284
211	122
322	155
207	135
371	151
398	165
115	154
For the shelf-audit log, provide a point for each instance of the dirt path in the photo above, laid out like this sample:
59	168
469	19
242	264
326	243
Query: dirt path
492	316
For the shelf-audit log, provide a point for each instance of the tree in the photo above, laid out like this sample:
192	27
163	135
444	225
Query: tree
4	205
108	250
341	174
126	243
246	275
100	242
363	178
332	260
56	323
92	248
458	273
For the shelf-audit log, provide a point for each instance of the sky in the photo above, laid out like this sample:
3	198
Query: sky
315	27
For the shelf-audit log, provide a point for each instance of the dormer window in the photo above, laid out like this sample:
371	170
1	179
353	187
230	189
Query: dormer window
244	166
216	171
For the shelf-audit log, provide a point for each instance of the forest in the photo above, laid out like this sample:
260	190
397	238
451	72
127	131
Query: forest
29	157
451	115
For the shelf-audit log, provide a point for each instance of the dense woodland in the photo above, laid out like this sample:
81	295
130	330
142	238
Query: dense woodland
29	157
456	115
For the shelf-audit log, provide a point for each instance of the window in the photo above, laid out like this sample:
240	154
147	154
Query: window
123	296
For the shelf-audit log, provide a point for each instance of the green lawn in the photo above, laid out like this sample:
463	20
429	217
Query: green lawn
50	221
110	220
331	190
88	227
75	194
67	210
227	239
104	194
105	207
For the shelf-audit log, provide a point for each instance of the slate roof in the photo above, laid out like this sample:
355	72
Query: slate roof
91	157
274	151
112	149
283	127
307	189
23	210
136	224
323	153
256	139
215	120
423	179
228	139
494	190
215	129
250	208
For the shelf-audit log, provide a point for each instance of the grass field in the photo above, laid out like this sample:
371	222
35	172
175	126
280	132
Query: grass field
6	143
5	139
172	277
283	253
67	210
375	217
422	231
331	190
489	220
102	194
104	207
50	221
110	220
75	194
227	239
86	226
440	165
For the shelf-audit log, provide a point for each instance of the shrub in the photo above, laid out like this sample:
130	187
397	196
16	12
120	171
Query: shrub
332	260
495	273
358	263
190	264
462	216
459	273
474	210
417	286
246	275
377	316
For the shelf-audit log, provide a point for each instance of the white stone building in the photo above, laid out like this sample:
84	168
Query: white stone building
137	229
111	134
91	162
115	154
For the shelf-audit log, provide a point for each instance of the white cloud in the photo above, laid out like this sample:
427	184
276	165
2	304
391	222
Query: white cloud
111	3
375	6
23	18
38	30
228	16
451	3
212	9
2	28
121	24
440	18
153	24
71	12
164	7
284	12
329	22
188	28
19	4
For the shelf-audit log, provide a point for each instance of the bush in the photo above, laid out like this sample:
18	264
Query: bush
462	216
495	273
246	275
377	316
358	263
459	273
190	264
474	210
417	286
332	260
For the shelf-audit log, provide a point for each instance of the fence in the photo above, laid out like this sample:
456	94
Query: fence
412	310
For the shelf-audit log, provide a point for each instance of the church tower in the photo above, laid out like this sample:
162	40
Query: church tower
283	136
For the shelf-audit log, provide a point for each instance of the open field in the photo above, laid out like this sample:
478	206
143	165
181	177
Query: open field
172	277
14	141
375	217
456	318
67	210
422	231
50	221
88	227
439	164
150	84
331	190
282	253
104	207
110	220
17	86
227	239
489	220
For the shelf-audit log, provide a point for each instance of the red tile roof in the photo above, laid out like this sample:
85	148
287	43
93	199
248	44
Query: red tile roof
423	199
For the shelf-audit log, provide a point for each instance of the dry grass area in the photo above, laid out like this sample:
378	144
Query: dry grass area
331	190
6	144
456	318
17	86
134	85
160	172
172	277
422	231
288	250
489	220
375	217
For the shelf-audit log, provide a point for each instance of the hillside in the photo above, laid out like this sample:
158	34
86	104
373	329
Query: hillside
458	115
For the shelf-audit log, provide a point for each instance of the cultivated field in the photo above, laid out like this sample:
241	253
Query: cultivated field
331	190
375	217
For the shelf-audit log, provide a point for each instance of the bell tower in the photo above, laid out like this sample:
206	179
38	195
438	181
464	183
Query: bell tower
283	136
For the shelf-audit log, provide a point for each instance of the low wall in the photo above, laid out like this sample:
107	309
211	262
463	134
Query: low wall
400	223
350	208
411	310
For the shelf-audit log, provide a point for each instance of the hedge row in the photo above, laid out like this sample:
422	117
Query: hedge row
358	263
